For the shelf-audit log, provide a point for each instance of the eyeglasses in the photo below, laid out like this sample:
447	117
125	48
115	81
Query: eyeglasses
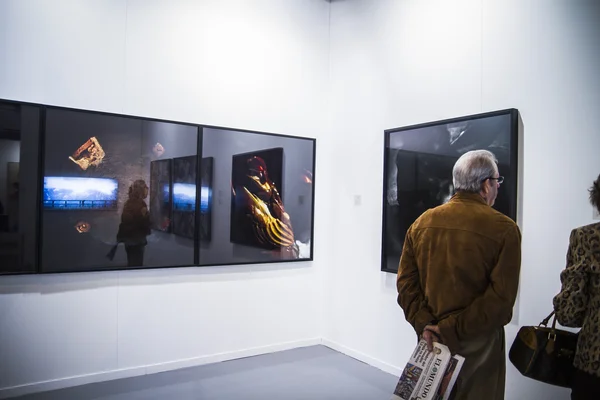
500	179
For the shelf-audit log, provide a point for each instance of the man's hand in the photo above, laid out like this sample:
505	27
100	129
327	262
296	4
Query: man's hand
432	334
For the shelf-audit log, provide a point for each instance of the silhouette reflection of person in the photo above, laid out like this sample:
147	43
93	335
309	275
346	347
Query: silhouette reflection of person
135	224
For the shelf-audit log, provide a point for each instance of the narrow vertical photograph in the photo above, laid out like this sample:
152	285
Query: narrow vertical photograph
19	190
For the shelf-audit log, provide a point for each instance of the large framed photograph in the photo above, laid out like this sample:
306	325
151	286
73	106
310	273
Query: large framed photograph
108	191
263	207
418	162
96	191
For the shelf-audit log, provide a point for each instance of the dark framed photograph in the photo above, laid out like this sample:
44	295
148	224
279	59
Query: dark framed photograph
206	198
263	197
116	192
184	197
20	189
107	191
160	195
418	162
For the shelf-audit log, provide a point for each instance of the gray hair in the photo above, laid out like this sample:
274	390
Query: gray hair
472	168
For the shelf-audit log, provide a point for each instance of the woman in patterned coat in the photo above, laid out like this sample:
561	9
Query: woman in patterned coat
578	303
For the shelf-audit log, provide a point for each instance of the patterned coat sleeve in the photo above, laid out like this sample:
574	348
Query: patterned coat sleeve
571	303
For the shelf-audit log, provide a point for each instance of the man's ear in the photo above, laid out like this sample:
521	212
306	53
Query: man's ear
484	187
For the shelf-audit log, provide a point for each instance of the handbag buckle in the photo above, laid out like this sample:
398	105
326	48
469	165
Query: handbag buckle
552	336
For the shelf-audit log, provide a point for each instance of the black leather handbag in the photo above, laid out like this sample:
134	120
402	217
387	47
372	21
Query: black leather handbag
545	354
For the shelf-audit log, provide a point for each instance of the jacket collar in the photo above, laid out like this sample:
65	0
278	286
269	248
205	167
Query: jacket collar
462	196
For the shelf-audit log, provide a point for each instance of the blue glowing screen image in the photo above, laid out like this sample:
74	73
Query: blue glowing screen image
184	197
70	193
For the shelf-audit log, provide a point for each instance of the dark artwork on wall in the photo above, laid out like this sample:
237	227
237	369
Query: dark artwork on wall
258	216
262	186
95	191
106	194
206	198
184	197
160	195
418	170
11	208
20	187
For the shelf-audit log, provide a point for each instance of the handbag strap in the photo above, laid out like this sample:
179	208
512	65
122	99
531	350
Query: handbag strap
547	319
552	333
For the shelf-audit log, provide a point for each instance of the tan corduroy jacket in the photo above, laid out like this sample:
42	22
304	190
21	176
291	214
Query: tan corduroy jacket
460	269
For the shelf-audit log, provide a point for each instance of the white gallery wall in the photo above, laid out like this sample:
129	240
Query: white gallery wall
397	63
260	65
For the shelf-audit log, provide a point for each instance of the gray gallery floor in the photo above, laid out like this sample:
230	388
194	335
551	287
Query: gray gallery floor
308	373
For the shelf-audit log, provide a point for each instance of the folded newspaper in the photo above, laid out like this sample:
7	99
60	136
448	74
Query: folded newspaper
429	375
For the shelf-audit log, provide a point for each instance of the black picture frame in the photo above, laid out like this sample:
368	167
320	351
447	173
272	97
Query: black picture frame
299	179
427	151
34	257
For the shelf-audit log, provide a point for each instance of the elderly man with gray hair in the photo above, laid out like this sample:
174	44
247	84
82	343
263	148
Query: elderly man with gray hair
459	274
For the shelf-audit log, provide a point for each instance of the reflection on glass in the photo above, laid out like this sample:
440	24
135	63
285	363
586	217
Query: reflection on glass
260	197
90	153
205	196
135	224
259	217
79	193
158	150
82	227
307	177
160	200
109	181
109	205
19	186
184	196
